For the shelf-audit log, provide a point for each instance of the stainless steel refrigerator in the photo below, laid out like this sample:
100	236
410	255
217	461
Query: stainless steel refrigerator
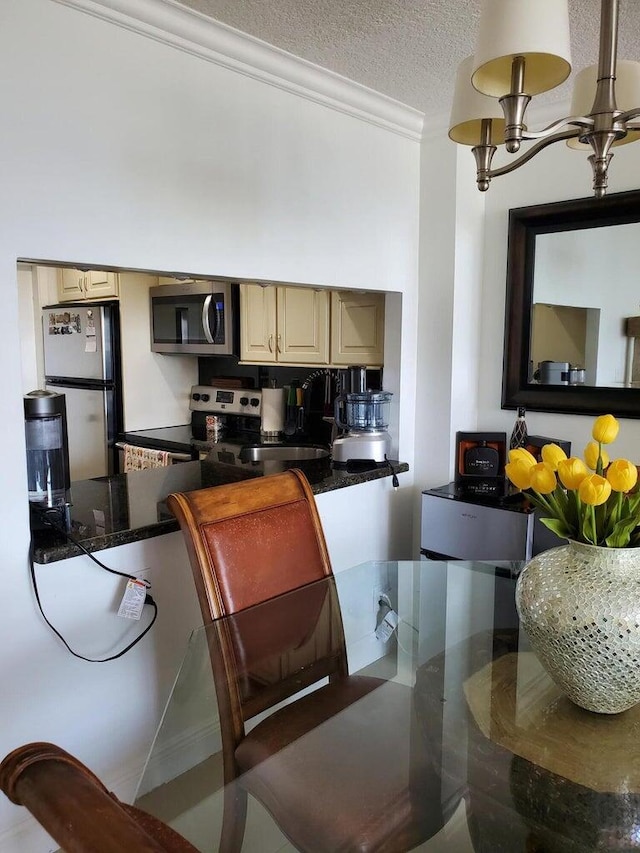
82	361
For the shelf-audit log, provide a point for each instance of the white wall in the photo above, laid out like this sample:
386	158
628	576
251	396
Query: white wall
119	150
451	247
155	386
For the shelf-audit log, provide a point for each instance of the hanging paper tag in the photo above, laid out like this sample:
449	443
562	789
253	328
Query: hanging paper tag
388	625
133	600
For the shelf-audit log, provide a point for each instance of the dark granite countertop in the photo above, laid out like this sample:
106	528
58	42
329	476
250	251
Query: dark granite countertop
123	508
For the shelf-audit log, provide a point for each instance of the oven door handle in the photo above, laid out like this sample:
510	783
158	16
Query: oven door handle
174	456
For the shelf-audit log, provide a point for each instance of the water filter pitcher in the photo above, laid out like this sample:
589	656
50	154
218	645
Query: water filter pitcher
47	448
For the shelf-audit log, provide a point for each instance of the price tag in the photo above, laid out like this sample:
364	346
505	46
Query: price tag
388	625
133	600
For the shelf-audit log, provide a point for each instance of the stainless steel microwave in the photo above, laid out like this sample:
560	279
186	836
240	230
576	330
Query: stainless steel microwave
196	318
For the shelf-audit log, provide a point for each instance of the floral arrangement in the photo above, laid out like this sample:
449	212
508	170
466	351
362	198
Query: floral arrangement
589	500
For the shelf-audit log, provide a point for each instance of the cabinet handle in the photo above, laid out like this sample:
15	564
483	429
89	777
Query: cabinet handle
278	347
270	343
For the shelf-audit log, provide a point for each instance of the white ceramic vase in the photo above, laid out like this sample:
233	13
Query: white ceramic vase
580	607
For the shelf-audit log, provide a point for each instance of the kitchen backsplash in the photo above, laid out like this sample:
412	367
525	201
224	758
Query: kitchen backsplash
262	376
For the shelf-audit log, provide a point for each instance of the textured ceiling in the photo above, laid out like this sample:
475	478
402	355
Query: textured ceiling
407	49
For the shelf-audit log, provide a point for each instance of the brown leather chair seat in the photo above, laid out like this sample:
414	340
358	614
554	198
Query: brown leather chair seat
345	783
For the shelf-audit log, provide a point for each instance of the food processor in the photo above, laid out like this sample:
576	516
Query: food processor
365	417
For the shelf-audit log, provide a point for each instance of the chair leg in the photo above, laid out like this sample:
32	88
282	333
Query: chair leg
234	819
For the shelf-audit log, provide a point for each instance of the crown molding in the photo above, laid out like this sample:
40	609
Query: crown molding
170	23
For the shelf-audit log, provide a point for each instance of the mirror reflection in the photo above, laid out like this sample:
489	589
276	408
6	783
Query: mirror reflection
584	294
572	319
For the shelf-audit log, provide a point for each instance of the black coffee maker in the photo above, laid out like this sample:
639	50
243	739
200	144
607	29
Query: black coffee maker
45	423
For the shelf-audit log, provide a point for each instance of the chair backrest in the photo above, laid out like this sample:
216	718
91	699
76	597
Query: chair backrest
251	541
260	560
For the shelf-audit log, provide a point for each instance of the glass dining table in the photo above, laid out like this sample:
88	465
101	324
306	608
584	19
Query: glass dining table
514	765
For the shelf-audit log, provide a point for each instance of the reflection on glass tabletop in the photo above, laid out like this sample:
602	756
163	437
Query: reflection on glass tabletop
504	761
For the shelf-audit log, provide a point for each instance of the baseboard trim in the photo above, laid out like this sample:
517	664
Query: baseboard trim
179	754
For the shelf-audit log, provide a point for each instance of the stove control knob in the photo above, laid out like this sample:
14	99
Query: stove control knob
205	398
244	401
255	401
195	397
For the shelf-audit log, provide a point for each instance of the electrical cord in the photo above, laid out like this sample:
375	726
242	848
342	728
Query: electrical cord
394	477
147	600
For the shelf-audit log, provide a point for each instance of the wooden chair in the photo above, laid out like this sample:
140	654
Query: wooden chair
333	767
76	809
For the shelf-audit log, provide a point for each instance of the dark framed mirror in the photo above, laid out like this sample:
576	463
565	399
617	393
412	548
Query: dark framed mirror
572	318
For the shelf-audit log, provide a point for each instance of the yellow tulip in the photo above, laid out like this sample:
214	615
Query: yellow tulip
622	475
543	478
523	455
519	472
591	456
605	429
594	490
572	472
552	454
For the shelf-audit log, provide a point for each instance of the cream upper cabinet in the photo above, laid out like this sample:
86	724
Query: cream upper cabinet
74	285
257	323
357	327
303	325
287	325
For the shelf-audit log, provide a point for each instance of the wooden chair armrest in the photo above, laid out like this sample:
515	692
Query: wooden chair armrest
76	809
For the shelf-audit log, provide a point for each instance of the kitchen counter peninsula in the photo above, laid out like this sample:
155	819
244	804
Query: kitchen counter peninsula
124	508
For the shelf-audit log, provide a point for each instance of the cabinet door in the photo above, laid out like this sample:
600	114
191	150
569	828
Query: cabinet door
70	285
303	325
357	328
257	323
93	284
99	284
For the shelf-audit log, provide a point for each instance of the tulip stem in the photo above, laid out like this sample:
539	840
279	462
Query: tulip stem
557	510
588	525
578	506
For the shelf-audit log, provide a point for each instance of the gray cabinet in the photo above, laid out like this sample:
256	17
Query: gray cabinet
460	527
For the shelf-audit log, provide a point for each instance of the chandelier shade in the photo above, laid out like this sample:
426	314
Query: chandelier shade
536	30
627	96
523	49
470	108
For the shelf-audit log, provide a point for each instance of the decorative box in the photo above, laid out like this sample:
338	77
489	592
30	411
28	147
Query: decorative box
535	443
480	461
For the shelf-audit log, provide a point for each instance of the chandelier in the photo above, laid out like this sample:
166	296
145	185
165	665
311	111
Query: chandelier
523	49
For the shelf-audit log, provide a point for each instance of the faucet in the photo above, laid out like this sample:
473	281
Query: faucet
322	371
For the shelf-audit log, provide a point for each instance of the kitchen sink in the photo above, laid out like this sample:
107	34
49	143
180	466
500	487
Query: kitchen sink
282	453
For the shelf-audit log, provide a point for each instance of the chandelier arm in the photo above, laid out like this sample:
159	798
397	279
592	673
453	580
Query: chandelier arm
630	114
524	158
580	122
